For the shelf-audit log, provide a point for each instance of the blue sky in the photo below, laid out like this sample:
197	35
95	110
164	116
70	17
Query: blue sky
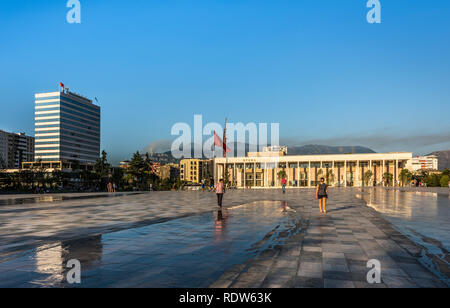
315	66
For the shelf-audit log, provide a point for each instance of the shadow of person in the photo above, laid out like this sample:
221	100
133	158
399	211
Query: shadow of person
341	209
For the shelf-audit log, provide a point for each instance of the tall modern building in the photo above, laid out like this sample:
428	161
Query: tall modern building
15	149
67	128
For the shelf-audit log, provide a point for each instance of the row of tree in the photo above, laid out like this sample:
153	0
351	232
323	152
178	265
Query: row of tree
140	176
405	177
435	179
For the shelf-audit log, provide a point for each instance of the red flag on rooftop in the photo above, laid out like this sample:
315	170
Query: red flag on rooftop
61	85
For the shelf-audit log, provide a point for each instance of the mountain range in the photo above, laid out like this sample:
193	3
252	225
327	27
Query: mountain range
312	149
444	159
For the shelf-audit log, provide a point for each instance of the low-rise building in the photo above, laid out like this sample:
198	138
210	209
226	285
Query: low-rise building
15	149
195	170
430	162
169	171
265	169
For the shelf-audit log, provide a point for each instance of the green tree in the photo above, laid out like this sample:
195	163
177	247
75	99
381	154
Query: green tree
101	169
56	178
330	177
118	177
137	169
445	180
367	177
405	177
282	174
388	178
433	180
40	175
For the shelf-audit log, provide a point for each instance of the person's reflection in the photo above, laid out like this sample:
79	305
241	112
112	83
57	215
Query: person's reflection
220	224
284	207
88	251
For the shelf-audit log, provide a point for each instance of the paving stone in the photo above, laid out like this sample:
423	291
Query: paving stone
308	282
338	284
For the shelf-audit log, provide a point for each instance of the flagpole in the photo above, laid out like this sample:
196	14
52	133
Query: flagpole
214	160
226	178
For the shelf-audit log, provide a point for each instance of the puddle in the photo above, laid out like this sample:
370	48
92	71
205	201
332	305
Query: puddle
188	252
50	198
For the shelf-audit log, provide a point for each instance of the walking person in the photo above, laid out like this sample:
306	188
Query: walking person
322	195
220	190
283	185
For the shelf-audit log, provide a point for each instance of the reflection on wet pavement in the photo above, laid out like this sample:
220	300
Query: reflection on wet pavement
57	198
187	252
424	217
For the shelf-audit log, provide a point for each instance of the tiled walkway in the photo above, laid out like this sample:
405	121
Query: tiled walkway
327	251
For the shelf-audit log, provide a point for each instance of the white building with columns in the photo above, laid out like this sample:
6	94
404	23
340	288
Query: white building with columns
266	169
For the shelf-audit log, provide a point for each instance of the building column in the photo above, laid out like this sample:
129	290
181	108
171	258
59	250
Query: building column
287	173
370	166
332	168
234	174
383	172
396	172
245	176
345	173
358	173
309	174
298	174
254	175
214	175
264	174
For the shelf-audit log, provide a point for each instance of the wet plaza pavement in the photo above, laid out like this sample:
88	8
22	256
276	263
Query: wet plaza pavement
180	239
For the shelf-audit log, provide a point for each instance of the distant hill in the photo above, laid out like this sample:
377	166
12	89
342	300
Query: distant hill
314	149
444	159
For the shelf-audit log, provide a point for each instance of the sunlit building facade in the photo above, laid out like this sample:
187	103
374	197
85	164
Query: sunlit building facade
265	170
67	128
195	170
430	162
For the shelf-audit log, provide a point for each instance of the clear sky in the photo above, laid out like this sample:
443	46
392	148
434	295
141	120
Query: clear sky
315	66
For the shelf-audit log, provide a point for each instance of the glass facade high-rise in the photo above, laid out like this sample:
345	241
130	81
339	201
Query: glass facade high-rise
67	128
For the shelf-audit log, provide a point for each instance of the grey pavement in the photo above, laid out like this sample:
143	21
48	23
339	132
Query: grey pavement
325	251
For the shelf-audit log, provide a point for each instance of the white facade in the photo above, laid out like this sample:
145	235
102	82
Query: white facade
263	170
67	128
425	163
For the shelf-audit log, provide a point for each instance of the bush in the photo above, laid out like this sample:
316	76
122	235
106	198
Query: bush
444	181
433	180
